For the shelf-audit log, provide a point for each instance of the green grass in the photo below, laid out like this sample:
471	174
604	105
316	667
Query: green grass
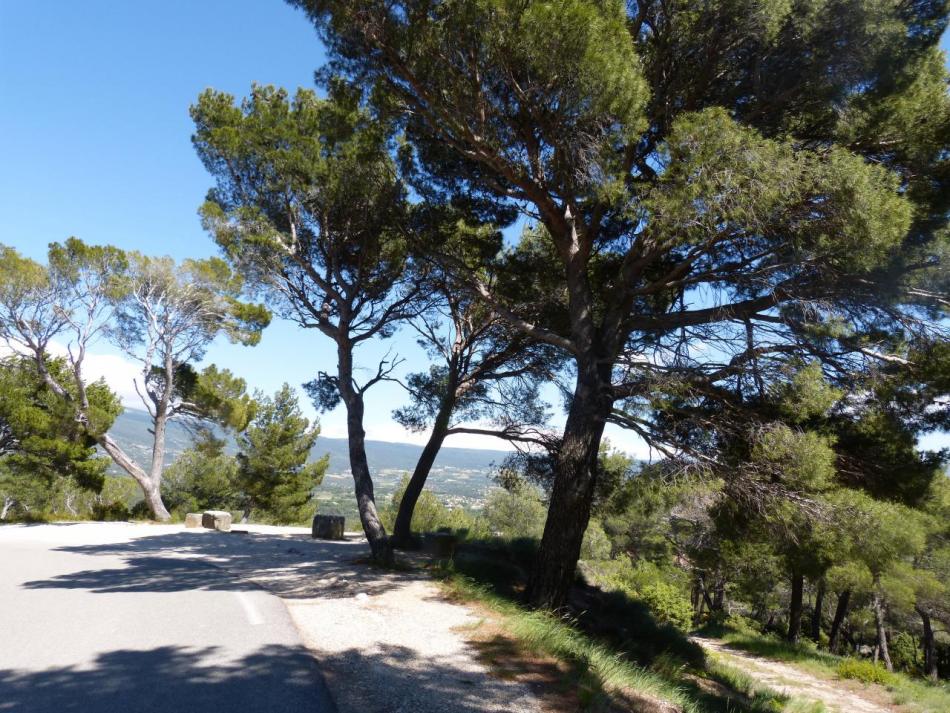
756	696
599	670
614	649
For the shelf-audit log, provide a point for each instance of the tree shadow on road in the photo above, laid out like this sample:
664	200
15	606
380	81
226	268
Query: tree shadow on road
291	566
170	678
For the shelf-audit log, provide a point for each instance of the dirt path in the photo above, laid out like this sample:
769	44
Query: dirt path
794	682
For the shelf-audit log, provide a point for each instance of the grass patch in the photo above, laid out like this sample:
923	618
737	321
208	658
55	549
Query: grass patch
919	695
598	672
754	696
609	654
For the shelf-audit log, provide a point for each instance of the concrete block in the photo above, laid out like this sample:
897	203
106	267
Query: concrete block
216	520
328	527
193	519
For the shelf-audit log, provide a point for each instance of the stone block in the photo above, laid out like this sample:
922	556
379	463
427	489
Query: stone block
328	527
193	519
216	520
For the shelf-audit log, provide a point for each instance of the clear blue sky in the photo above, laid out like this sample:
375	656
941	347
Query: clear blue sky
95	142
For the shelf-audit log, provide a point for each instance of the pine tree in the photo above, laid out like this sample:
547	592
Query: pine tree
274	474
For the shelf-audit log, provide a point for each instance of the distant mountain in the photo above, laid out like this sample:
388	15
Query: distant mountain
458	473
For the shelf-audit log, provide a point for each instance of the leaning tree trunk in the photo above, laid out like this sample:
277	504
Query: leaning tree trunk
573	491
878	606
816	612
929	645
359	466
795	608
841	611
402	530
151	489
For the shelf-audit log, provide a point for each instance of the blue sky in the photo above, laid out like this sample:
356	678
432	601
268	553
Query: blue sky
95	142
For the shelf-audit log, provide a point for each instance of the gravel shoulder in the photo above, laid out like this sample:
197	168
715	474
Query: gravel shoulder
385	641
845	697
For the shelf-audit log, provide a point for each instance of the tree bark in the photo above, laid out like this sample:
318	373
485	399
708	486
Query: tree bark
878	606
929	645
795	608
816	612
841	611
719	595
8	503
573	491
359	466
402	530
150	489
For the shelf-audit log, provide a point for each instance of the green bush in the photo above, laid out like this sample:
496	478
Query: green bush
596	545
743	625
668	605
864	671
516	513
905	652
429	514
111	512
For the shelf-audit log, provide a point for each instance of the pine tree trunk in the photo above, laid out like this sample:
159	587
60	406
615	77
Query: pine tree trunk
929	645
719	595
573	491
359	466
795	608
8	503
878	606
841	611
150	489
402	530
816	612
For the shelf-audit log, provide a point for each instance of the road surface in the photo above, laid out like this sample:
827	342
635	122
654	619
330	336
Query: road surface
85	629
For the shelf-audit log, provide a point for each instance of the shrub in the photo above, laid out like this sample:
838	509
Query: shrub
516	513
668	605
111	512
429	514
905	652
743	625
596	545
864	671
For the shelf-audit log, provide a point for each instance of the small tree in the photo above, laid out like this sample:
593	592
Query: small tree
201	478
41	440
484	381
274	474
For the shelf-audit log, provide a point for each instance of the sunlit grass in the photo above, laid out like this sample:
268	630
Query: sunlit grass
596	667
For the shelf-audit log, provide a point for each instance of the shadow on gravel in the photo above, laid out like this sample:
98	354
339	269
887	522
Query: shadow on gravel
397	678
292	566
275	678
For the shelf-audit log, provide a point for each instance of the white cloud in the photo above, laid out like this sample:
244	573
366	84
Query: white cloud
118	373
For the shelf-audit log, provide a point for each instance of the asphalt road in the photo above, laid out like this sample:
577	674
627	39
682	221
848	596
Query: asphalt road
84	628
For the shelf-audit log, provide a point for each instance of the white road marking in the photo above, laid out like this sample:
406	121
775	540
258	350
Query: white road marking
254	617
